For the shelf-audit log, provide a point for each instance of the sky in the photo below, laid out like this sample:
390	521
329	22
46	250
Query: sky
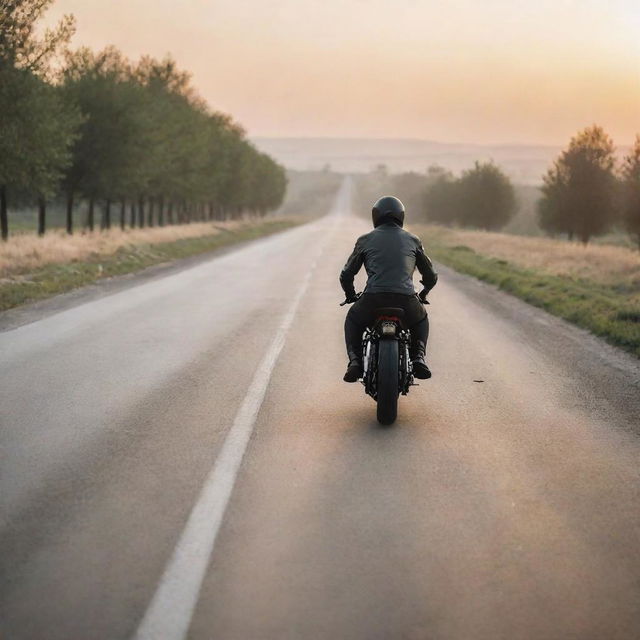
472	71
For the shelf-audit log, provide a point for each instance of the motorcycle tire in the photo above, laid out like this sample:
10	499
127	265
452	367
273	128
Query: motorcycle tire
387	396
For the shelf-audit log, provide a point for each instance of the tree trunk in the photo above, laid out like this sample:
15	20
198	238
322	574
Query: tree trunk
42	216
4	219
123	208
170	212
90	220
132	214
107	214
161	212
141	213
70	213
150	212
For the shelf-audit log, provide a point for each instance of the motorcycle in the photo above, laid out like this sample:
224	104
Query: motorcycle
388	371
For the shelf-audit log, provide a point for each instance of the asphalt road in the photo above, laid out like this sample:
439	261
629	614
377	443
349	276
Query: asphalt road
181	458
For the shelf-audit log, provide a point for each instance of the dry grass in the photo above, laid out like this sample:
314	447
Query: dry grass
25	252
604	264
596	287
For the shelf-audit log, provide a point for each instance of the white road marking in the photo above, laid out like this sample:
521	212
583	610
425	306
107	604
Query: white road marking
169	613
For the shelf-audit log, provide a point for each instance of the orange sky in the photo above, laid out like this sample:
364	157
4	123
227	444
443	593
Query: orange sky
449	70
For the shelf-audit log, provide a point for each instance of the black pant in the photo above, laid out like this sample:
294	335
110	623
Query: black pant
362	314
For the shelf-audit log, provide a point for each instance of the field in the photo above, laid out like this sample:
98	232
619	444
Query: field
596	287
32	268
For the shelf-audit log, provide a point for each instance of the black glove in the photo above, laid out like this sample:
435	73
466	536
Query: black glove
422	296
350	297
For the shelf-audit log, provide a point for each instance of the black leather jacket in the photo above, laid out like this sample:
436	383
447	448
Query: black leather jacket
389	254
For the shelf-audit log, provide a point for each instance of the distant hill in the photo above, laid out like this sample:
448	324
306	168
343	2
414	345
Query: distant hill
525	164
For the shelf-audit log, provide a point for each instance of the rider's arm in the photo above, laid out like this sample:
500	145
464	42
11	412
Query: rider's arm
425	267
350	269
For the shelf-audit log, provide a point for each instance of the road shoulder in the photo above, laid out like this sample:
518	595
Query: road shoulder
37	310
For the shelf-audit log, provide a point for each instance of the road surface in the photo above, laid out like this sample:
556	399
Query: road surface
180	458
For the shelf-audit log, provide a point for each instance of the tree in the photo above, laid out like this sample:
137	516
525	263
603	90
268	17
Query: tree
111	132
483	197
19	46
442	199
37	127
487	198
106	157
631	191
578	191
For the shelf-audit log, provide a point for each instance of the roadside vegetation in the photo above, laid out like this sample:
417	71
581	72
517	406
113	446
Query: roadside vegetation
596	287
33	268
589	193
115	142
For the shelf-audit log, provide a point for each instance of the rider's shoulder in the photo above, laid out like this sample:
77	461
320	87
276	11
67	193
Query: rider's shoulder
413	237
364	237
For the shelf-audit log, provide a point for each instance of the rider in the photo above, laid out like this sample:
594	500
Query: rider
389	254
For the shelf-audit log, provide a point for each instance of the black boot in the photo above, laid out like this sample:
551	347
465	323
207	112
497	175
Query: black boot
354	369
416	353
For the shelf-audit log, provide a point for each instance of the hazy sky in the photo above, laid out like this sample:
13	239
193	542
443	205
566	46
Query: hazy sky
452	70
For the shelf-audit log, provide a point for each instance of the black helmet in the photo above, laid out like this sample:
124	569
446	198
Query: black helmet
388	209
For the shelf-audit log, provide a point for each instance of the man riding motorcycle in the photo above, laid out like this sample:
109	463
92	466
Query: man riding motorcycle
389	254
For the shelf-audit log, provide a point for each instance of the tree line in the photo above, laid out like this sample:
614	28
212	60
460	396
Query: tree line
482	197
132	139
585	193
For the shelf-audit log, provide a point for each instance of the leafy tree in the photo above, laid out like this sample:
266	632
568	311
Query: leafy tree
631	190
482	197
578	191
19	46
487	198
442	198
106	154
37	127
108	131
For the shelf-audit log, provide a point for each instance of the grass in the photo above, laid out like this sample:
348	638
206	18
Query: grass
25	252
597	288
31	271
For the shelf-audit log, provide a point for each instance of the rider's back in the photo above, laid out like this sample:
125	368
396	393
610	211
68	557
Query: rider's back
389	255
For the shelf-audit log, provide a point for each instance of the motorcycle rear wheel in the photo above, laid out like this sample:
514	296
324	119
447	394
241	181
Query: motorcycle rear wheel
387	396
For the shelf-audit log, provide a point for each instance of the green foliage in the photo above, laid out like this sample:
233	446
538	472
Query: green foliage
631	191
107	155
148	136
608	312
37	127
36	132
442	199
487	199
103	129
579	189
483	197
19	46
